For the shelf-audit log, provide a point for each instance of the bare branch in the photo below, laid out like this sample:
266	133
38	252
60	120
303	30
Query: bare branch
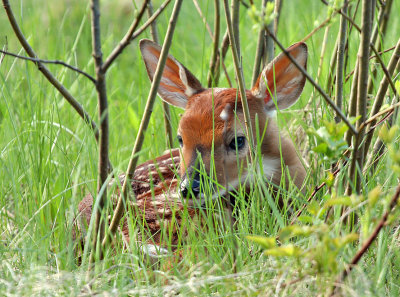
318	87
144	123
196	4
99	227
385	82
165	106
150	20
239	75
57	62
50	77
213	73
260	47
357	160
340	60
235	7
5	48
368	242
126	40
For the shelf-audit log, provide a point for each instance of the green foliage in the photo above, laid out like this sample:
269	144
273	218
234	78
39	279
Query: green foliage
261	17
48	163
330	140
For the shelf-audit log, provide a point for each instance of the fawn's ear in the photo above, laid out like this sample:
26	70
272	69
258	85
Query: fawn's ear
281	79
177	83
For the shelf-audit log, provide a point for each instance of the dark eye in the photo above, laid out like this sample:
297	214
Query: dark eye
180	140
237	143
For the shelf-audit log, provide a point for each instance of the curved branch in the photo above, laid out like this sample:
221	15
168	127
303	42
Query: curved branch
50	77
118	213
57	62
125	41
369	241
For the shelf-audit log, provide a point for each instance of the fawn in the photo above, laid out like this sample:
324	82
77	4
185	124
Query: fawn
213	118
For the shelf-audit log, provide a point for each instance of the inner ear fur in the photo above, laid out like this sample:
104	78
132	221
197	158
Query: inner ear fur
281	79
177	83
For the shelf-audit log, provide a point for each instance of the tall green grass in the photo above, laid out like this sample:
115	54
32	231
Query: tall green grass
48	162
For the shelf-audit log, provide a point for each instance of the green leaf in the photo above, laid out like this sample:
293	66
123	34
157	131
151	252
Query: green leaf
374	195
321	148
305	219
347	201
342	241
295	230
284	251
265	242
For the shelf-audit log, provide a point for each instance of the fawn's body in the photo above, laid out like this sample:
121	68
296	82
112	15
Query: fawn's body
212	128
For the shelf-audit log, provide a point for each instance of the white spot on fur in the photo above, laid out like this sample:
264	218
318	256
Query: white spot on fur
225	113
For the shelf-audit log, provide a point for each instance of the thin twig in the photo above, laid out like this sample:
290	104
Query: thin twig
144	123
340	60
318	87
165	106
379	29
316	190
57	62
239	76
357	160
386	80
277	11
260	47
213	73
50	77
222	54
368	242
235	8
5	49
196	4
150	20
126	40
100	225
269	47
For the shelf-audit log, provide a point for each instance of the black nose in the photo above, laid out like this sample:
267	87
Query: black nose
192	186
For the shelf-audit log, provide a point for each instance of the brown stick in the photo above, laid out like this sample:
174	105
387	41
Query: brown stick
50	77
318	87
150	20
383	88
260	48
144	123
213	73
235	8
126	40
99	225
239	75
269	48
56	62
196	4
340	60
362	87
368	242
165	106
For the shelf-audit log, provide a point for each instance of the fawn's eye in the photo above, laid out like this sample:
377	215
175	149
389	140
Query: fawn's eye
237	143
180	140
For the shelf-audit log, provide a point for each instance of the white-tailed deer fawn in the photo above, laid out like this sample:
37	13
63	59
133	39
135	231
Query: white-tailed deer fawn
212	127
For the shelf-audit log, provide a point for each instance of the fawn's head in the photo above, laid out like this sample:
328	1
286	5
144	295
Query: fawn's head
212	126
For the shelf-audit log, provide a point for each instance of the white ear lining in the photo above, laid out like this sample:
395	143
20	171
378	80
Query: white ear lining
182	74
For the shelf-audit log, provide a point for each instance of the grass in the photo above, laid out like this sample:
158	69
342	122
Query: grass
48	162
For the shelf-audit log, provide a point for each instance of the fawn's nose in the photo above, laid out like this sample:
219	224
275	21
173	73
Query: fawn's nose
188	187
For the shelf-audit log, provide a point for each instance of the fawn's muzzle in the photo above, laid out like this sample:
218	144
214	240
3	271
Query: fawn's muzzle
190	186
